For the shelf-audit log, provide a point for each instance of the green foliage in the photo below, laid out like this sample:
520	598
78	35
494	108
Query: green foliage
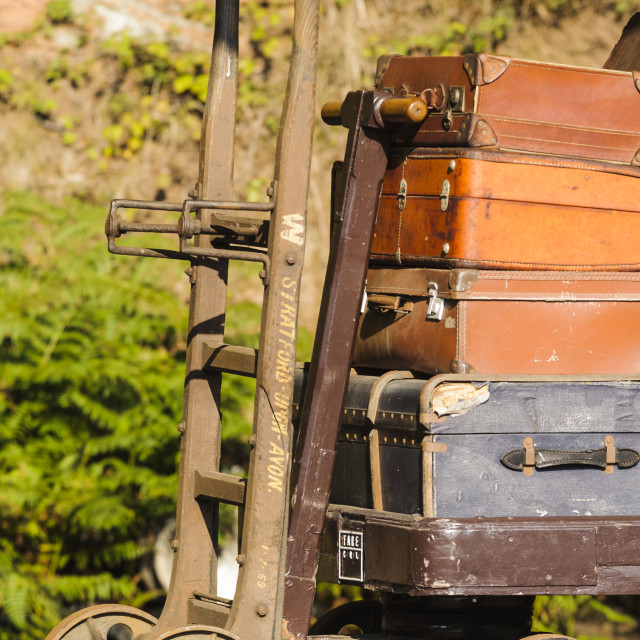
91	381
559	614
59	11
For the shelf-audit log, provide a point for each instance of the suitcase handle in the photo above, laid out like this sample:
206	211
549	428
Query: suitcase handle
382	303
528	457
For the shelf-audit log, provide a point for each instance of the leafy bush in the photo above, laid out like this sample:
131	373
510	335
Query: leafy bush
91	381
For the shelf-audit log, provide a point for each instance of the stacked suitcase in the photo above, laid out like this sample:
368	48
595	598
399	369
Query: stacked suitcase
508	233
505	277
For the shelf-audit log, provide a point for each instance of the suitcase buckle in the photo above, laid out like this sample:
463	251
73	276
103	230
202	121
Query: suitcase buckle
435	309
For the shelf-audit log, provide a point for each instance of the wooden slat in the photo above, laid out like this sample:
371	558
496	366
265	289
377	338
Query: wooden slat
626	54
220	487
229	358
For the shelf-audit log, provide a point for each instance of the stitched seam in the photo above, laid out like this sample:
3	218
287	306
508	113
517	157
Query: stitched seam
539	163
568	127
564	69
566	142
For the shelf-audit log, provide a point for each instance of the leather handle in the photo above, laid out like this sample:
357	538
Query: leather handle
383	303
548	458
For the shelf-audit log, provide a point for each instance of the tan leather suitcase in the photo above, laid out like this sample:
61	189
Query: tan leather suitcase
481	100
500	322
503	210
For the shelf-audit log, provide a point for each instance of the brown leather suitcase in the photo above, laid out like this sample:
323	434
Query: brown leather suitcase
481	100
503	210
500	322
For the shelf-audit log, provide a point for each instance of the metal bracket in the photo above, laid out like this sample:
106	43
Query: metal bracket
435	308
444	195
402	195
455	105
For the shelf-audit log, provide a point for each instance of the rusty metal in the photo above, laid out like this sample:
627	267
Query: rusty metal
257	606
98	621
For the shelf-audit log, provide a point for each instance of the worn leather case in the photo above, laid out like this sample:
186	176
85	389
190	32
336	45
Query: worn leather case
481	100
502	322
491	209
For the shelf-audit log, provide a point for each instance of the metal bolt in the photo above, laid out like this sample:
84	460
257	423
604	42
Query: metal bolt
262	610
445	248
182	427
290	259
240	559
191	272
262	274
252	440
271	189
174	544
452	165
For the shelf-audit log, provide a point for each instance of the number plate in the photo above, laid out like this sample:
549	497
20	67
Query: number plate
351	556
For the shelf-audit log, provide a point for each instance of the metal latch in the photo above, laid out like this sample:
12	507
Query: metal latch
455	105
402	194
444	195
436	305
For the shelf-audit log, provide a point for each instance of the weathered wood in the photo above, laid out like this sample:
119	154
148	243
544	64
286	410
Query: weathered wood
625	56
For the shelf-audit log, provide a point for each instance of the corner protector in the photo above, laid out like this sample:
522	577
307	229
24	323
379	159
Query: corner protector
476	132
635	161
484	69
381	67
461	280
636	79
458	366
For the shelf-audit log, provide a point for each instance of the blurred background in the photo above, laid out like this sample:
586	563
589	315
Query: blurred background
102	99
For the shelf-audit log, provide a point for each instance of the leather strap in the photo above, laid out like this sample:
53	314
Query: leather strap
546	458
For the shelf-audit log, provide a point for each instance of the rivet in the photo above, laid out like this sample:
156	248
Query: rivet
445	248
452	165
252	440
240	559
174	544
262	610
182	427
290	259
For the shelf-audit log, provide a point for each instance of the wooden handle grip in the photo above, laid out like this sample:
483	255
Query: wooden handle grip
330	113
403	110
391	110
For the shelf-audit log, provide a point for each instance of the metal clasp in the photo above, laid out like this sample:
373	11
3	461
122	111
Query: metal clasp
402	194
436	305
444	195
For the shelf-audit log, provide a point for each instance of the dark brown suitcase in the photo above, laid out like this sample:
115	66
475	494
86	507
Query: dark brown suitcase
501	210
500	322
481	100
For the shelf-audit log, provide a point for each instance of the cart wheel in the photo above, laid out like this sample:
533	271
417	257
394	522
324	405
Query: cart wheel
352	618
104	622
194	632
